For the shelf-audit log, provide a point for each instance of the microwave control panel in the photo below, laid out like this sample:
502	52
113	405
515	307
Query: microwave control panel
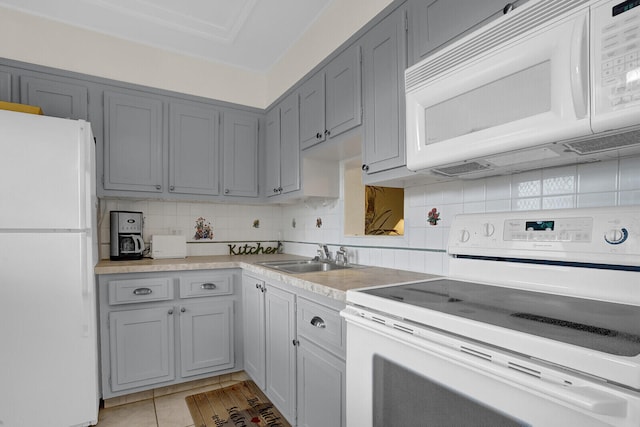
616	55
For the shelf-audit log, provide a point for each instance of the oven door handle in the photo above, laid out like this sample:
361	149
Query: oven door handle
596	401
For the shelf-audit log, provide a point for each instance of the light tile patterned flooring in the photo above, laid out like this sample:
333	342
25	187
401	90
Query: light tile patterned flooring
163	407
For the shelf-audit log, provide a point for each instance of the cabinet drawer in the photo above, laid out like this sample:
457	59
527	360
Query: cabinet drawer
140	290
321	325
206	285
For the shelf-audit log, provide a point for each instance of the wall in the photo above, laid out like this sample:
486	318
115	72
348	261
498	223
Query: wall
610	183
423	246
231	224
40	41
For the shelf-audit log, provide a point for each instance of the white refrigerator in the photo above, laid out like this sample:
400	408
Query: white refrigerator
48	250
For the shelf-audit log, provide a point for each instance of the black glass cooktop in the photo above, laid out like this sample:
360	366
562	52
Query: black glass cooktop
608	327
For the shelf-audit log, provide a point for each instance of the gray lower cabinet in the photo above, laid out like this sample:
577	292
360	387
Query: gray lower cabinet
269	341
253	328
142	347
283	147
321	387
206	337
384	60
435	23
194	149
158	329
321	368
133	147
240	155
294	349
56	98
280	350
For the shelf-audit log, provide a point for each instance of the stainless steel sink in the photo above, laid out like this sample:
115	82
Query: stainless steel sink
303	266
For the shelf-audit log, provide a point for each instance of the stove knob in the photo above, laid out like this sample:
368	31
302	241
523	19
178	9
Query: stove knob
488	229
464	236
616	236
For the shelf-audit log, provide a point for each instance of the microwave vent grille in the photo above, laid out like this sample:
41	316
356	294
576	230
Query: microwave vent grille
461	169
512	26
612	142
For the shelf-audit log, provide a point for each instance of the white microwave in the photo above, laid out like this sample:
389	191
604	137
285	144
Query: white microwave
551	83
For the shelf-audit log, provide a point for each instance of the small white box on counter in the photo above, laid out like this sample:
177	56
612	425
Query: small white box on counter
168	246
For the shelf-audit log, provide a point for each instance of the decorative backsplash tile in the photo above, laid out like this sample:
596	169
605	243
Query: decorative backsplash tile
422	248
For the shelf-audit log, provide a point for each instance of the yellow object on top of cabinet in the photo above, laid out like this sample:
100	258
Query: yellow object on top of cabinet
22	108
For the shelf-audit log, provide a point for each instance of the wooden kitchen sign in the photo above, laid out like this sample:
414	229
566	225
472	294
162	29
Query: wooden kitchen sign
256	249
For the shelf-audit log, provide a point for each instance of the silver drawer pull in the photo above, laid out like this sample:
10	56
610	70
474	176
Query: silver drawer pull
142	291
318	322
208	286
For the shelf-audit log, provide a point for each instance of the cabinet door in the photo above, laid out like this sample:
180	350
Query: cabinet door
272	155
437	22
312	111
321	387
253	329
194	149
133	143
142	347
280	350
344	92
289	144
5	86
57	99
206	337
240	155
384	60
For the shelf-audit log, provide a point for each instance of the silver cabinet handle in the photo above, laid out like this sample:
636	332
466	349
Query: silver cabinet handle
142	291
172	188
158	187
226	191
170	312
182	310
318	322
208	286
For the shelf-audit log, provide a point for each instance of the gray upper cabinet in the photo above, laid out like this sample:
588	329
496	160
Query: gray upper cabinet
240	155
283	147
331	100
5	86
194	149
434	23
133	143
384	61
312	111
272	151
56	98
344	92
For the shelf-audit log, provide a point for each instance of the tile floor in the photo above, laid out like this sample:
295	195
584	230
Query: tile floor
164	407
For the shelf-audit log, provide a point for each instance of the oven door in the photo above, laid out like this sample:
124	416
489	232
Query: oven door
400	375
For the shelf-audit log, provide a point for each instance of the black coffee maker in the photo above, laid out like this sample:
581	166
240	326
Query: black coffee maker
126	235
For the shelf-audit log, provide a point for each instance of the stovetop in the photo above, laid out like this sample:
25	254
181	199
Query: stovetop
603	326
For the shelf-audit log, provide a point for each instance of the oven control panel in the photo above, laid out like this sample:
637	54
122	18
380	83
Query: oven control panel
601	235
549	230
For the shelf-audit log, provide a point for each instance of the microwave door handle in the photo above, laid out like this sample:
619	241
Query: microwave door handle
580	67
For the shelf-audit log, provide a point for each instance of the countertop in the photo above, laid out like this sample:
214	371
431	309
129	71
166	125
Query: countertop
333	284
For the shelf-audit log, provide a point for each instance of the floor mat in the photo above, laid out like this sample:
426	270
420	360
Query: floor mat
242	404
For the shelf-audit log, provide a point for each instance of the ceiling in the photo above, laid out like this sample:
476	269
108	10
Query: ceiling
250	34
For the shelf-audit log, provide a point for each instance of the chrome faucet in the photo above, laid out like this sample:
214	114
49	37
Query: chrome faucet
327	253
341	255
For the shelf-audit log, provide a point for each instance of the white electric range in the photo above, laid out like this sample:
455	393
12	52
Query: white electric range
538	323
